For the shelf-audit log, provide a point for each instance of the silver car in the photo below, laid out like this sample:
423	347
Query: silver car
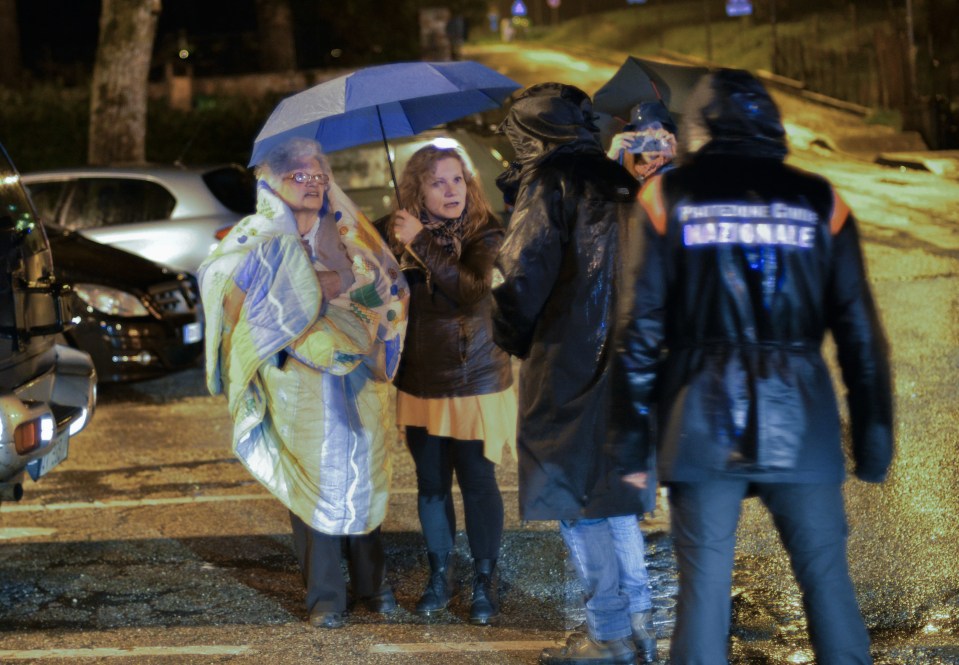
170	215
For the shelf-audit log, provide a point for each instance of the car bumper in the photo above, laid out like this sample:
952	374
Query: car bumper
135	350
61	401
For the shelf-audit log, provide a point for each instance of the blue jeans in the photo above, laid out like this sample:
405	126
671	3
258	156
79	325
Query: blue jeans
631	552
609	591
811	522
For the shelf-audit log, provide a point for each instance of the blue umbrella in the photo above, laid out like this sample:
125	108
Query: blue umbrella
383	102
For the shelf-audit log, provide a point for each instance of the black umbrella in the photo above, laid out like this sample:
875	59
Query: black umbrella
642	80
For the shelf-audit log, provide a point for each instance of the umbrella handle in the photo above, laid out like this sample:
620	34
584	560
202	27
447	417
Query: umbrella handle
396	187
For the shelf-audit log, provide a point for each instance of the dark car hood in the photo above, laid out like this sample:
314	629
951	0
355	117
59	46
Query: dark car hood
79	259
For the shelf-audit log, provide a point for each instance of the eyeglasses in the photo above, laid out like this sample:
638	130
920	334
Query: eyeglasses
301	178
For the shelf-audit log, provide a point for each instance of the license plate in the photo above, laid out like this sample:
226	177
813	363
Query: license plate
40	467
192	332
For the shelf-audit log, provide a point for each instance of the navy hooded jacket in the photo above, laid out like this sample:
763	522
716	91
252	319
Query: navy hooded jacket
747	264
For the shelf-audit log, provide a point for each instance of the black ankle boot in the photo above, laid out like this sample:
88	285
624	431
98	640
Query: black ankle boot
439	588
484	606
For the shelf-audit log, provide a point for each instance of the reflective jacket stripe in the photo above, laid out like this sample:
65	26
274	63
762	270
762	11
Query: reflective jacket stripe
651	198
840	213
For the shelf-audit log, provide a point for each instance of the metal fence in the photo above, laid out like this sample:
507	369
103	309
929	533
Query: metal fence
874	75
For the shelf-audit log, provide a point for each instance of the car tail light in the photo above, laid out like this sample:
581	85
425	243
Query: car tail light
221	233
28	436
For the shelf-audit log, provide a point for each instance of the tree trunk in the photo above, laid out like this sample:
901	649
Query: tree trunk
10	64
118	97
277	44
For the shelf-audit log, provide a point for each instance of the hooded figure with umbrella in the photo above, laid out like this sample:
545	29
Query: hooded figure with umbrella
640	80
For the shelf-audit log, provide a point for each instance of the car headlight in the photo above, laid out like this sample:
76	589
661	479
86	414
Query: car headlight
110	301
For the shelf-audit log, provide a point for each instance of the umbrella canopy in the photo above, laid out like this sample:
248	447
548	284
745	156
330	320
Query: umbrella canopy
382	102
642	80
632	84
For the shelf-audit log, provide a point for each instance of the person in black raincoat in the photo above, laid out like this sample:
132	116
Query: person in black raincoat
561	267
747	263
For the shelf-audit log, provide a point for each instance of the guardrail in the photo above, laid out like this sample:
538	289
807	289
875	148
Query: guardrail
781	83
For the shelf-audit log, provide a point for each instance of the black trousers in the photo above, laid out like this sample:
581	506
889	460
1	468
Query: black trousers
436	458
320	557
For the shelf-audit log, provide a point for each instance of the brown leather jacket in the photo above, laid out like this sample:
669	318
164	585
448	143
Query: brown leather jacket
449	350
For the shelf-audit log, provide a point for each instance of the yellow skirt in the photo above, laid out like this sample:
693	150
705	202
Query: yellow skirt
488	418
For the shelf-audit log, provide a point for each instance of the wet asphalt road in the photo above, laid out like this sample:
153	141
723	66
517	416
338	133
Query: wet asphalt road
151	544
151	536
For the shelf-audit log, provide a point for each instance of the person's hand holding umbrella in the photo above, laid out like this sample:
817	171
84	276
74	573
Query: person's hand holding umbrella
405	227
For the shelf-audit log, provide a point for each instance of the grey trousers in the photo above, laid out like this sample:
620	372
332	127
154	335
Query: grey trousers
320	557
811	521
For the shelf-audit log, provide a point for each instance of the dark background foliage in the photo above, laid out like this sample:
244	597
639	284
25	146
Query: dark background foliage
44	122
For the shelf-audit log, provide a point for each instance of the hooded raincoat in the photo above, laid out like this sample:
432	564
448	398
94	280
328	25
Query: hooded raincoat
561	264
747	264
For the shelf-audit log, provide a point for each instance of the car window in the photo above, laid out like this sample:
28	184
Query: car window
234	187
21	239
363	167
16	211
366	167
47	198
99	202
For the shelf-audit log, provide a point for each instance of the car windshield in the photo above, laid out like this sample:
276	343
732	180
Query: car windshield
234	187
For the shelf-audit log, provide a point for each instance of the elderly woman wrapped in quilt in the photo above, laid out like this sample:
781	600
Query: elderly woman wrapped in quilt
306	313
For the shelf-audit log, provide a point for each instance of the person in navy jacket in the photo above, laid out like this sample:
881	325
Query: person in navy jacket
746	264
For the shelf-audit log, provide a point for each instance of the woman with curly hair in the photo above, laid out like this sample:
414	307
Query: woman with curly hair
454	384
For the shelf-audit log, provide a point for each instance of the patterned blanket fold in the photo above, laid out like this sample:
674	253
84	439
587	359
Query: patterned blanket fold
307	380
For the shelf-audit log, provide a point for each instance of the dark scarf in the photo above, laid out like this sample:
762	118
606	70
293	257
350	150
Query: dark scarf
448	233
